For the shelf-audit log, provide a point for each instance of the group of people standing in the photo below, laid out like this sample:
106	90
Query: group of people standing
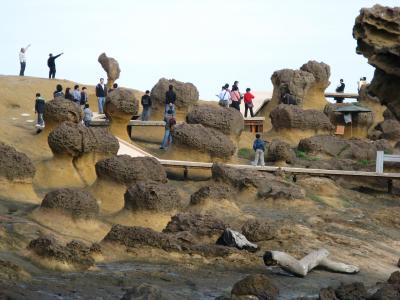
233	98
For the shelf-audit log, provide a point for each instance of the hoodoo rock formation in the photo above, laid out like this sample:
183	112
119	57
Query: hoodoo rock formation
111	66
58	110
226	120
280	151
377	31
186	94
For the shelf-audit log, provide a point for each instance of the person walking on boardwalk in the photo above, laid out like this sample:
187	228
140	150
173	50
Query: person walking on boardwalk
22	60
39	110
259	148
170	122
101	94
340	89
146	104
248	103
51	63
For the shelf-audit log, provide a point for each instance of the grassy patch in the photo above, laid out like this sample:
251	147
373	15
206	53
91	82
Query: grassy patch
246	153
303	155
316	198
364	162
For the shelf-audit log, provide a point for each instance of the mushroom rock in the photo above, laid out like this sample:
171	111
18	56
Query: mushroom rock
60	110
377	31
227	120
280	151
111	66
186	94
16	175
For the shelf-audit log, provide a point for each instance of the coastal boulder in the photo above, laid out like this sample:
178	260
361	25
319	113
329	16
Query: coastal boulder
121	103
259	286
14	165
111	66
293	117
151	195
76	139
128	170
214	192
60	110
256	230
280	151
77	203
352	291
186	93
203	139
226	120
390	129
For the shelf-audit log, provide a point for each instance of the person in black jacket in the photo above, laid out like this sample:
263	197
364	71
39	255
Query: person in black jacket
51	63
84	96
170	97
59	92
340	89
39	110
146	103
101	94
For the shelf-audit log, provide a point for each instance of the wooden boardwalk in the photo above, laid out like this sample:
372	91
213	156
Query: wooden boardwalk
341	95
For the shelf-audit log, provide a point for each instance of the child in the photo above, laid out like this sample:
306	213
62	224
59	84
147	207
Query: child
87	115
259	148
39	109
248	103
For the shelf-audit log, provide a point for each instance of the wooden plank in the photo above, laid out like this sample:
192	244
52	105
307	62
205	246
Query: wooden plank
391	158
148	123
341	95
254	119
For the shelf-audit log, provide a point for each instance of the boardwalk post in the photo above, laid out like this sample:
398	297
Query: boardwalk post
390	186
379	161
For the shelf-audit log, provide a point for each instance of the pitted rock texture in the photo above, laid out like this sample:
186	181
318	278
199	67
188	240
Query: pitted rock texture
259	286
111	66
351	291
128	170
76	139
15	165
151	195
280	151
77	203
377	31
227	120
268	185
341	148
257	230
186	93
61	109
213	192
121	103
293	117
308	83
207	140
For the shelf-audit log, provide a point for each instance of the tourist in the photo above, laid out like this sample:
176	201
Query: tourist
101	94
115	86
51	63
235	98
146	104
289	99
39	110
22	60
68	94
259	148
224	96
170	97
87	115
84	96
340	89
77	95
361	83
235	86
170	122
59	91
248	103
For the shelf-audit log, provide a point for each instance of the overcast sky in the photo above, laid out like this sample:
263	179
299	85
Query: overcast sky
207	42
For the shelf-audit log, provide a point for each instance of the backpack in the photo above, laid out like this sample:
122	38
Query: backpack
145	101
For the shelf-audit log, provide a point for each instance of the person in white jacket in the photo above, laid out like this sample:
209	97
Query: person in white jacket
22	60
225	96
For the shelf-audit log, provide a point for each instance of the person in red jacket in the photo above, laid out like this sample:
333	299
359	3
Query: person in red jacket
248	103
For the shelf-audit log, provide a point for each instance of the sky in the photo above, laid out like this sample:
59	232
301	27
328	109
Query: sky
207	42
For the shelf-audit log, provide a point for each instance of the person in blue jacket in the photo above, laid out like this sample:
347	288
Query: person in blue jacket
259	148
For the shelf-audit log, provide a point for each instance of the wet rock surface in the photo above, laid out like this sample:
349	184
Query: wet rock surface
280	151
77	203
121	103
15	165
111	66
186	93
128	170
149	292
212	192
76	139
294	117
153	196
226	120
258	285
207	140
61	109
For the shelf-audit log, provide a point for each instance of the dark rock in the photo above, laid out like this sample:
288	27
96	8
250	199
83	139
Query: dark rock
11	272
15	165
258	285
186	93
149	292
151	195
327	294
280	151
61	110
214	192
128	170
207	140
111	66
198	225
390	129
227	120
294	117
76	139
78	203
121	103
352	291
394	278
257	231
387	292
